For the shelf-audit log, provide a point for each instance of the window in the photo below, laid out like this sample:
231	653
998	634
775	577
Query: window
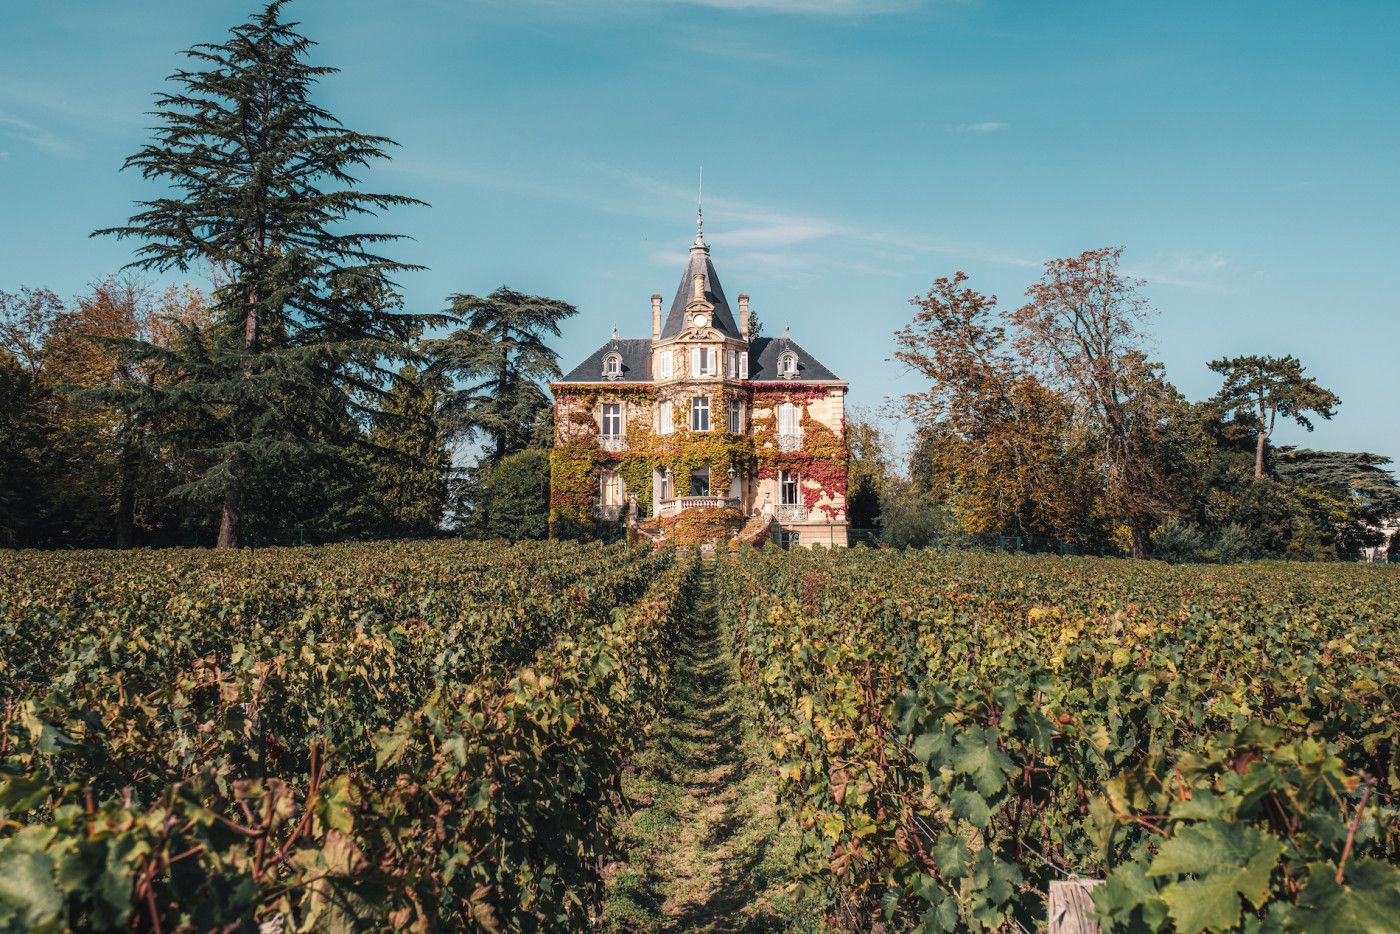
787	487
700	482
663	485
732	359
612	365
789	427
787	364
666	364
665	418
612	488
743	364
700	414
736	423
612	420
702	361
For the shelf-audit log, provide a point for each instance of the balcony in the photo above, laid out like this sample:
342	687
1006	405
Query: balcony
671	507
612	443
790	512
790	442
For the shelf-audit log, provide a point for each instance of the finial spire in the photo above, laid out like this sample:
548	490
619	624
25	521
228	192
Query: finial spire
614	330
700	211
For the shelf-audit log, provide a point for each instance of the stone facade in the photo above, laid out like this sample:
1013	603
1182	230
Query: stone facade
703	420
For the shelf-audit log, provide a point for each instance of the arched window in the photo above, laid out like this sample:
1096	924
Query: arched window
612	365
787	364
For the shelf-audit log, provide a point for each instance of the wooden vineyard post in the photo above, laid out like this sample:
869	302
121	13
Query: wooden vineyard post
1070	905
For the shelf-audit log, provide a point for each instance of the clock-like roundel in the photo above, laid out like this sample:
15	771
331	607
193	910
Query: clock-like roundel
698	321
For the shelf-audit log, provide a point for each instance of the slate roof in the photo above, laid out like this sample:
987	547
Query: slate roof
700	264
636	362
763	360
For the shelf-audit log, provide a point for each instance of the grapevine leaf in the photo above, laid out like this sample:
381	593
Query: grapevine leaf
977	755
1228	860
26	885
1367	902
950	855
971	807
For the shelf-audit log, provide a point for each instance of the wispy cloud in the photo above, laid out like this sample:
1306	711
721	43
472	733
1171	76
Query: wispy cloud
987	126
34	135
752	233
811	7
1211	272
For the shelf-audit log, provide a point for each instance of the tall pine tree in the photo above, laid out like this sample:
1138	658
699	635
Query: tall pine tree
410	461
501	354
262	189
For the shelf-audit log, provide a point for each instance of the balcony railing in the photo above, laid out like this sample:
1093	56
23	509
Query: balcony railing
612	443
790	442
791	512
670	507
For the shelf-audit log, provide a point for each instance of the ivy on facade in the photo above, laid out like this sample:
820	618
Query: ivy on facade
578	461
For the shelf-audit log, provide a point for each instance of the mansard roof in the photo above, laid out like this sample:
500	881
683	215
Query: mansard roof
636	362
763	360
700	265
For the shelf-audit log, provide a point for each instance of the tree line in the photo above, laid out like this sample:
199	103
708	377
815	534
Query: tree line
296	399
1048	425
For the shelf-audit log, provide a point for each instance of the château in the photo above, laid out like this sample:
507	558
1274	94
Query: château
704	431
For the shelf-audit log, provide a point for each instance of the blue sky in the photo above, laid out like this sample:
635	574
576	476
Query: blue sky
1247	154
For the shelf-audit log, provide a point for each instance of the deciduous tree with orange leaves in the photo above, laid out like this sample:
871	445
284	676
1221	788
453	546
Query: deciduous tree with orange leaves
1082	328
999	442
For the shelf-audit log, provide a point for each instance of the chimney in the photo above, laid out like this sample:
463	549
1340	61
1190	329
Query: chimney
699	288
656	316
744	315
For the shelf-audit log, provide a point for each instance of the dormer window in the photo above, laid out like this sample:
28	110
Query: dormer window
612	366
787	364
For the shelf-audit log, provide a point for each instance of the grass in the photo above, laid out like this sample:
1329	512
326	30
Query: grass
706	847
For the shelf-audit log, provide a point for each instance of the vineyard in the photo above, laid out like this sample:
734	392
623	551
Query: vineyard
954	732
444	736
355	737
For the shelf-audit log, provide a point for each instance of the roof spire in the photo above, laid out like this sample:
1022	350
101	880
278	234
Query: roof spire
700	211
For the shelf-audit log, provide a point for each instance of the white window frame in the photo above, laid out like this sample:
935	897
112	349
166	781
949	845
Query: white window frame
612	365
731	359
736	417
743	364
667	364
787	364
700	406
709	482
663	484
702	361
616	414
789	479
665	417
611	492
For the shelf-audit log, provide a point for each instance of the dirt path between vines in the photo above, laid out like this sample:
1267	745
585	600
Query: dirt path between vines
707	851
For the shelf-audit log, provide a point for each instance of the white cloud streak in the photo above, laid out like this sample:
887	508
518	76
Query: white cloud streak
810	7
988	126
34	135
